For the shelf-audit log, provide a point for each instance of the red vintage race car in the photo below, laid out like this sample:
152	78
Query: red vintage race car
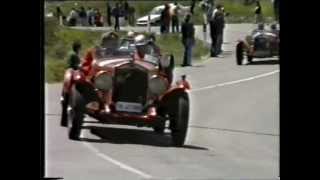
129	84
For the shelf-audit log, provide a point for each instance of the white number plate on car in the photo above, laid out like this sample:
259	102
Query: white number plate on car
128	107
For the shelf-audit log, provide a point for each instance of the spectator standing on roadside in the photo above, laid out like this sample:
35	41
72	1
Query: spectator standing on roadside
188	40
193	4
220	24
109	14
276	7
74	58
72	18
216	30
98	18
258	12
83	16
175	18
126	11
165	19
116	14
59	15
90	14
131	15
204	6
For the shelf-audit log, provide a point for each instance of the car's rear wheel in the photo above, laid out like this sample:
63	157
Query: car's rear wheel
239	53
179	121
75	114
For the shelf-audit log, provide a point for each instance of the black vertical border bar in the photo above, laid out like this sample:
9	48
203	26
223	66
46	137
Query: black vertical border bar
42	92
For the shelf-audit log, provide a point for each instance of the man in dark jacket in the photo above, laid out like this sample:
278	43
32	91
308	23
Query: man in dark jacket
216	30
116	14
165	19
109	14
188	40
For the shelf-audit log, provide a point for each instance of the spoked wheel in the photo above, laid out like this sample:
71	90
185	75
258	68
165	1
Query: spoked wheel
179	121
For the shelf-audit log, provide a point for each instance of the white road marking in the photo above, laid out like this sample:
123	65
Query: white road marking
236	81
118	163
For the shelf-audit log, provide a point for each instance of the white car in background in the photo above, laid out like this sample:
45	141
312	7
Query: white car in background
155	14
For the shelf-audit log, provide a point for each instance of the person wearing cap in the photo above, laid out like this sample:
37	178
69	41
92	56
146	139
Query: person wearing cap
260	29
188	40
108	41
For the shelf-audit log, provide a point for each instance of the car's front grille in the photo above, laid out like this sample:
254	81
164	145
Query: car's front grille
261	43
130	85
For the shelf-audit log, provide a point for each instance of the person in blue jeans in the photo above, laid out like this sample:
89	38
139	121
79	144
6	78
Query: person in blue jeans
188	40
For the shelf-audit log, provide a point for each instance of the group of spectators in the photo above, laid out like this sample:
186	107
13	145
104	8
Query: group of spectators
93	16
213	15
121	10
81	17
168	16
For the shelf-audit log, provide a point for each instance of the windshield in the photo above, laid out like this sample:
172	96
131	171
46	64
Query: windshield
125	48
113	49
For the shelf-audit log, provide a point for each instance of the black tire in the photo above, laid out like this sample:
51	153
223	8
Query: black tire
75	114
250	58
180	120
64	110
239	53
158	129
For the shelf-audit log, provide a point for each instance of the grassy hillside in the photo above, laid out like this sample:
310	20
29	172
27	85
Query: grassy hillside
238	11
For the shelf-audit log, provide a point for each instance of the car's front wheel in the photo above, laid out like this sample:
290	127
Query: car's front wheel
179	121
250	58
75	114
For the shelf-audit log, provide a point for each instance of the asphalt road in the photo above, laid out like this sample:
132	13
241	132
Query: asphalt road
233	130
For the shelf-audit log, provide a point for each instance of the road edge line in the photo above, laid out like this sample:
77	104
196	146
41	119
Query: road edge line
236	81
116	162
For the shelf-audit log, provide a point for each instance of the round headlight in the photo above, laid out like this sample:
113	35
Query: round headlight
157	85
103	82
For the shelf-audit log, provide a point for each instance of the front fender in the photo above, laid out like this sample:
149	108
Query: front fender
168	100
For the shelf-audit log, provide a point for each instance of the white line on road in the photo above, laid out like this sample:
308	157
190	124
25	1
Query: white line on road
118	163
235	82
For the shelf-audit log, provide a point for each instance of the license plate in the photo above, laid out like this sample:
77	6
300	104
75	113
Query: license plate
128	107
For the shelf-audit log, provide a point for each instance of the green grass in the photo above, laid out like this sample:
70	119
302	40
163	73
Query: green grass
58	41
239	13
171	43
